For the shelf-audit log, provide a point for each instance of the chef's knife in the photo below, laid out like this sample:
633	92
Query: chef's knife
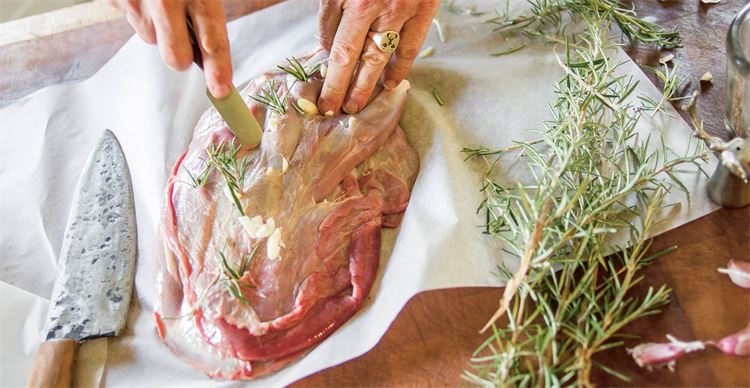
94	281
232	108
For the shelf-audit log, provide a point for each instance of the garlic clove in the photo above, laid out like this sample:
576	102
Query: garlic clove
651	354
737	344
323	70
307	106
738	271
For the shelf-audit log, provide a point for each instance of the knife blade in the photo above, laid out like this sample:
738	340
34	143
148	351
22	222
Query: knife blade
231	108
94	282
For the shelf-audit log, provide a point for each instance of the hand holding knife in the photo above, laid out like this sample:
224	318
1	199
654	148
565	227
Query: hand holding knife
231	108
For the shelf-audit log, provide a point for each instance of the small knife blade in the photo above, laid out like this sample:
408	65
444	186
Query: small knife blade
232	108
94	283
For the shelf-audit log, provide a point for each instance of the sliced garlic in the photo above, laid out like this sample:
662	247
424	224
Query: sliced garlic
274	244
707	77
267	228
256	228
710	1
307	106
329	113
323	70
284	164
665	59
427	52
251	225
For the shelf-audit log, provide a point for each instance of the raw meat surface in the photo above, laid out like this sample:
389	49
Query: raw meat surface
329	184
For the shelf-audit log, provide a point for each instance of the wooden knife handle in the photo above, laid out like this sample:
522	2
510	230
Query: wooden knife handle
53	364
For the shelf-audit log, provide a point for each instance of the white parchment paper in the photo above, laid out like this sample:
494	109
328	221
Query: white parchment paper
490	101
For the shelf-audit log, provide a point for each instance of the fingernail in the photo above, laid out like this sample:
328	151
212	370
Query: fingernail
324	106
390	84
351	107
219	91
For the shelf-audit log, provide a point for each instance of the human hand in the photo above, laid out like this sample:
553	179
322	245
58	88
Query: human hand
163	22
344	27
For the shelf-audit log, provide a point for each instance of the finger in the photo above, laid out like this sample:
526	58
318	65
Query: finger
371	65
412	36
211	33
347	45
171	33
143	26
329	17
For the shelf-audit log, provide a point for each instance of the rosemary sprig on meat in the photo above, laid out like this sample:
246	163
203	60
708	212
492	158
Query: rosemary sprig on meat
299	71
232	277
595	177
202	177
271	99
225	159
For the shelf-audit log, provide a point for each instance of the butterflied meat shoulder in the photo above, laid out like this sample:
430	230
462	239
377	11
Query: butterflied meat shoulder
266	252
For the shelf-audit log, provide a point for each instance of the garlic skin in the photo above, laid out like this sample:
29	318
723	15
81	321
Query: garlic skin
737	344
738	271
651	354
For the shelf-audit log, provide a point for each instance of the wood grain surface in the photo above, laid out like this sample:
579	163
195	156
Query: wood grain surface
430	342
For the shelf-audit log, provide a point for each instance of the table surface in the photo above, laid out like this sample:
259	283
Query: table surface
431	341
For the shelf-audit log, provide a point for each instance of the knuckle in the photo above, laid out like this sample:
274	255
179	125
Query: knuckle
428	6
343	54
408	51
176	59
332	90
374	58
214	45
361	92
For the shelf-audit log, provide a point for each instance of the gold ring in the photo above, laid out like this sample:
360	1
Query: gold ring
386	41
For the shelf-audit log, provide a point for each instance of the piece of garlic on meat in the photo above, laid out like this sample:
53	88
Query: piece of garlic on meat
267	228
323	70
307	106
274	244
252	225
284	164
256	228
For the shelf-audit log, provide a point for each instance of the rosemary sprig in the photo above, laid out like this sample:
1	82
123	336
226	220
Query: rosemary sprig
225	159
202	177
672	86
232	278
271	99
595	176
548	20
298	71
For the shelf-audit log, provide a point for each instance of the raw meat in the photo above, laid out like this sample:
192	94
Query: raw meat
316	193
